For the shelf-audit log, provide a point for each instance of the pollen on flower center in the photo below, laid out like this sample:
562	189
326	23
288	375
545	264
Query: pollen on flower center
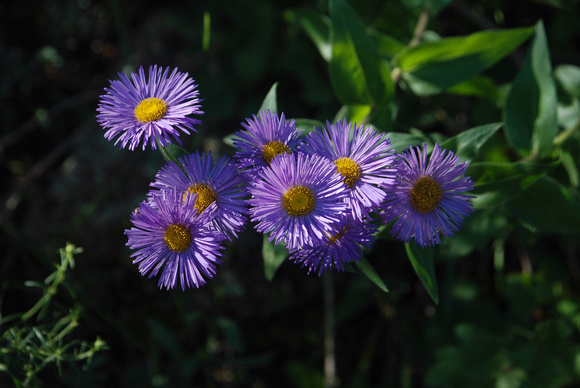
150	109
298	201
205	195
338	236
177	237
426	194
273	149
349	170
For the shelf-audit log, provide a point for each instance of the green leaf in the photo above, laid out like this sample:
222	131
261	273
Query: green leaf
273	256
231	333
308	125
489	46
548	207
496	183
434	5
422	262
568	77
477	87
468	143
316	26
353	113
530	109
386	45
402	141
432	67
270	100
357	72
370	272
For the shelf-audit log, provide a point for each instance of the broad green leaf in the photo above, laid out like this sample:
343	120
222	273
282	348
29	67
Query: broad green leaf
477	87
273	255
308	125
387	45
432	67
568	77
402	141
357	72
488	46
316	26
467	144
370	272
496	183
548	207
270	100
530	109
354	113
422	262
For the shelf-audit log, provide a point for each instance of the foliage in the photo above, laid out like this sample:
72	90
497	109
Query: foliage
498	83
27	349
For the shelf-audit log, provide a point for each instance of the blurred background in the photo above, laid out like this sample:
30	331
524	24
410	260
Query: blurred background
504	324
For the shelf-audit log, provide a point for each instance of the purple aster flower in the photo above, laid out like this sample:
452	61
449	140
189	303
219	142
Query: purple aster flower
297	199
428	197
218	183
263	140
343	245
173	236
149	110
364	158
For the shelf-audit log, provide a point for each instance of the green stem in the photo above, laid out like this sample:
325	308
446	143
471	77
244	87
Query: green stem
562	137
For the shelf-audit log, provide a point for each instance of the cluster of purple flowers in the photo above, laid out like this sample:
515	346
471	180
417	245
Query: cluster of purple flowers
322	195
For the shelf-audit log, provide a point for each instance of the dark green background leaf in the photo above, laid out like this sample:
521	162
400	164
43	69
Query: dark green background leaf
530	110
548	207
422	262
273	255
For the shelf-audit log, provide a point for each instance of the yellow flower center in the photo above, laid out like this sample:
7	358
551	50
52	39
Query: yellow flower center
150	109
349	170
337	236
205	195
273	149
177	237
298	201
426	194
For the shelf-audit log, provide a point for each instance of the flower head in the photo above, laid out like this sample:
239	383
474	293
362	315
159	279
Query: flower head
297	199
343	245
149	110
263	140
428	197
218	183
171	236
363	158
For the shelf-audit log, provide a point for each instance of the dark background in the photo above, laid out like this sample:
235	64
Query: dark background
62	181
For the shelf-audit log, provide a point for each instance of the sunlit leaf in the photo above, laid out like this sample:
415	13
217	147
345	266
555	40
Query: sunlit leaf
432	67
467	144
358	73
